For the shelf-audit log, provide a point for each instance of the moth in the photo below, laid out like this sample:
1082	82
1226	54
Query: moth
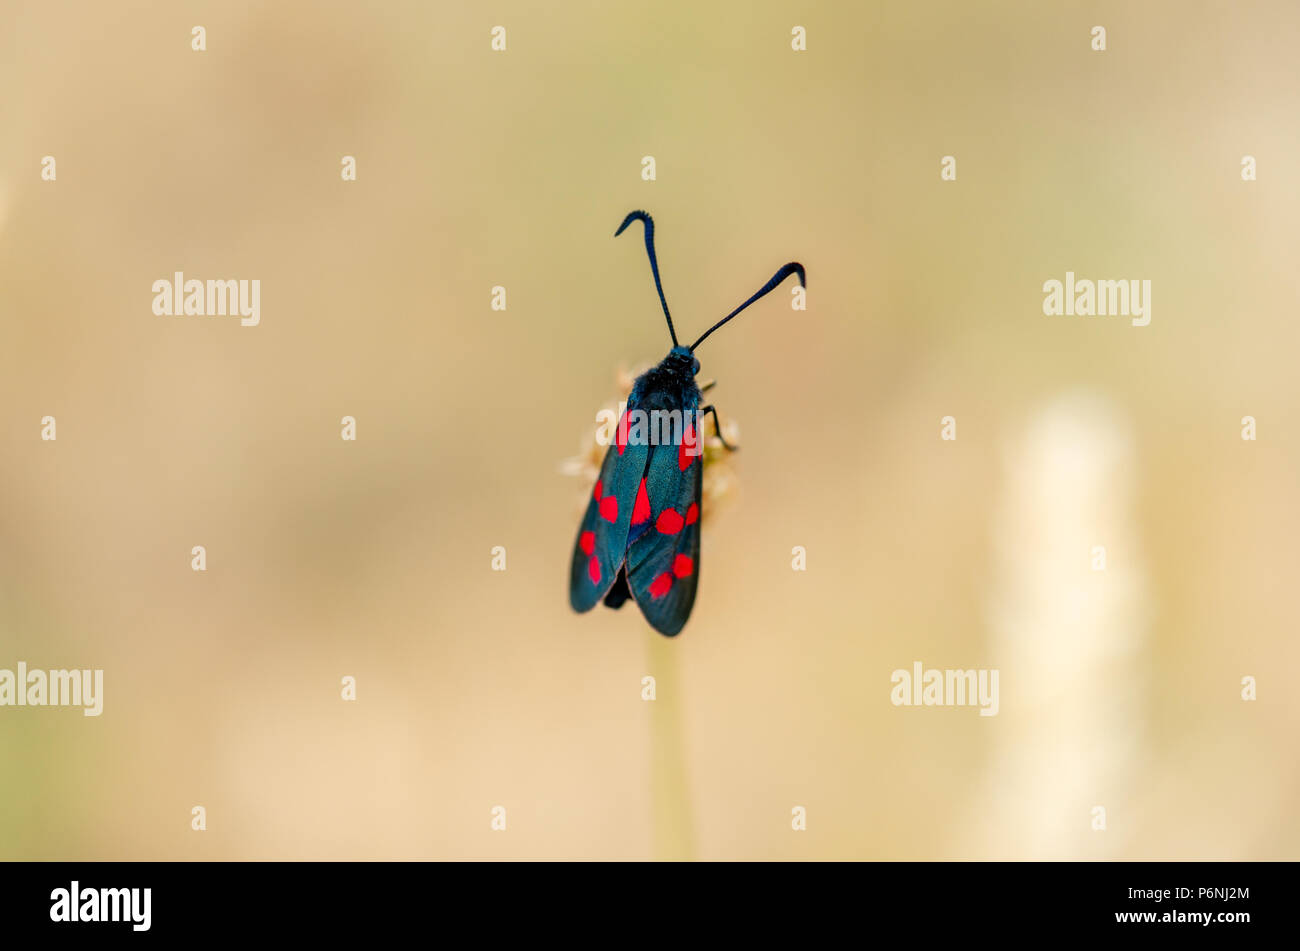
640	536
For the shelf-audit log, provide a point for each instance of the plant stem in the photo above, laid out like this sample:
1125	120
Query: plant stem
671	800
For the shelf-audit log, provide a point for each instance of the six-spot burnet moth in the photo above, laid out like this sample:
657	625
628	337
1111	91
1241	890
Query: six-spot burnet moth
640	537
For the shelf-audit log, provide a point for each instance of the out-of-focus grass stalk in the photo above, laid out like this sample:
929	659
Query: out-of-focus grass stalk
1069	639
668	781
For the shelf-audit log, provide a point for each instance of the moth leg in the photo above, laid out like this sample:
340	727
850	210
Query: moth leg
708	386
717	426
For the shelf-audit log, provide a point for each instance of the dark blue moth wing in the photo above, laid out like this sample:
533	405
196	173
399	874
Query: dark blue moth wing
663	558
601	545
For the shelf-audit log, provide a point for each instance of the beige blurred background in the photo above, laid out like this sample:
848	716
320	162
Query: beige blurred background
373	558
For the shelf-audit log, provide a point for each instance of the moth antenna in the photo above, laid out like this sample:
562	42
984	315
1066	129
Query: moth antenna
794	267
654	262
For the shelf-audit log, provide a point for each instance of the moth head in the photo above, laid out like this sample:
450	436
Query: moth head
682	357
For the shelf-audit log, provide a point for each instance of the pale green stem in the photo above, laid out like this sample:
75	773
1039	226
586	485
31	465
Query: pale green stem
671	800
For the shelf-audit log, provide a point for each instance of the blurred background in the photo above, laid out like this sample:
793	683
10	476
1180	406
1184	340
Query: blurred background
372	558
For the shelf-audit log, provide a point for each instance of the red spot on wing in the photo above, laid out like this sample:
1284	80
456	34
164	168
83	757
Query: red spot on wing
620	435
641	511
587	542
683	566
609	508
593	570
669	522
690	442
659	587
692	514
596	494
